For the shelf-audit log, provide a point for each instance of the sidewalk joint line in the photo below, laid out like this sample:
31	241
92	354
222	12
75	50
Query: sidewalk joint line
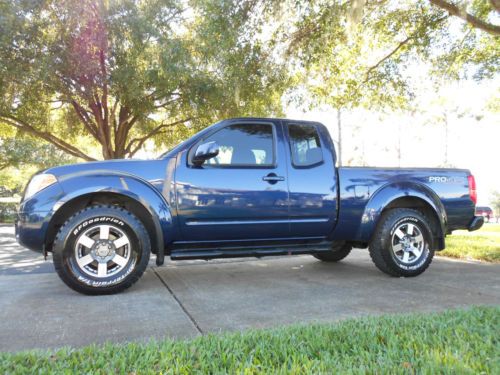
191	318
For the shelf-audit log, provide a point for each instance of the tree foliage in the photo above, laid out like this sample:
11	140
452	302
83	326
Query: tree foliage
495	201
479	20
22	151
358	52
125	72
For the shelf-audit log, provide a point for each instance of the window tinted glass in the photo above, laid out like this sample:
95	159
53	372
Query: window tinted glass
243	144
305	145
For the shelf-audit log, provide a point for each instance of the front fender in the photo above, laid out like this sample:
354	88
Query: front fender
130	186
387	194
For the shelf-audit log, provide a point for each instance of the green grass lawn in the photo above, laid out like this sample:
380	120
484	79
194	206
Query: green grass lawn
483	244
489	228
456	341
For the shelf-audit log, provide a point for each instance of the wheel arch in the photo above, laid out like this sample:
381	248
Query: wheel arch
142	200
410	195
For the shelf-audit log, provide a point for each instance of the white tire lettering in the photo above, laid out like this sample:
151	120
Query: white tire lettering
114	281
95	220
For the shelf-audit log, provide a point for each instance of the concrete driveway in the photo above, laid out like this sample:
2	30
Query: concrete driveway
186	299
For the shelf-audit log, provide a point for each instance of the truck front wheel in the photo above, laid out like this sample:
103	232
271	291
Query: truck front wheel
402	243
101	250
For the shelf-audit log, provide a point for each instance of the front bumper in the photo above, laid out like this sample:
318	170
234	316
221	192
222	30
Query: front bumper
31	228
34	215
476	223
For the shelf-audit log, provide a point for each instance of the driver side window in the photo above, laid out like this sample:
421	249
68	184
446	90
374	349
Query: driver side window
243	145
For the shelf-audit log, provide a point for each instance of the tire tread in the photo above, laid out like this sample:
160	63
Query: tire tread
377	248
58	250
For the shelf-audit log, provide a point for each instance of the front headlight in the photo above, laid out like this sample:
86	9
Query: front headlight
39	182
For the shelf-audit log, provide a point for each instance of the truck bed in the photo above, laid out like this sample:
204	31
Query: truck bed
360	187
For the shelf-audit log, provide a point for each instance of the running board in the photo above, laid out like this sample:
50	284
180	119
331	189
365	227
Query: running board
261	251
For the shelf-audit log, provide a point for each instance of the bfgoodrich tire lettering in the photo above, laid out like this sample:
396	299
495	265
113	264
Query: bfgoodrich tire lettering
402	244
101	250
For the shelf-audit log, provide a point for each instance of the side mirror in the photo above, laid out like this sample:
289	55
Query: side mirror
204	152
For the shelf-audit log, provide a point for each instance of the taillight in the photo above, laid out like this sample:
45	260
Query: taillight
472	189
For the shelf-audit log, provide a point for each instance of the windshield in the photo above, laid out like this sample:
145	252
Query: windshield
165	154
183	143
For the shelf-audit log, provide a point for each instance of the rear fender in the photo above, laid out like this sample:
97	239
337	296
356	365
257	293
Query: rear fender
129	186
388	194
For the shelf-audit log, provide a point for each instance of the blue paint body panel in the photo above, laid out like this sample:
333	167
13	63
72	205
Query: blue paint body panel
212	205
220	204
365	192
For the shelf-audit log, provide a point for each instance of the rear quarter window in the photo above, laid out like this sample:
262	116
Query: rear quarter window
305	145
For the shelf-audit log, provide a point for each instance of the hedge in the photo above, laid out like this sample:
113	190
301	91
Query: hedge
8	212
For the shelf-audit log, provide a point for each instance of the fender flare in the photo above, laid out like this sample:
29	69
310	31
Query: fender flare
387	194
135	188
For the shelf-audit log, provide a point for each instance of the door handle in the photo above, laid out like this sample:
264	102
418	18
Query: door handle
272	178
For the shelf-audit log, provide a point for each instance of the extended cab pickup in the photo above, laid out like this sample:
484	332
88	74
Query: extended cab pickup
241	187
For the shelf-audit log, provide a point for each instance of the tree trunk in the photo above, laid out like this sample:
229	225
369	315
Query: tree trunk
445	140
460	12
339	127
399	144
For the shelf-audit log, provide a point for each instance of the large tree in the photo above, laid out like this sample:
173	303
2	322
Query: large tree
373	53
358	52
125	72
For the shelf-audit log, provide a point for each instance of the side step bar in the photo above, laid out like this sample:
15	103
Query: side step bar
237	252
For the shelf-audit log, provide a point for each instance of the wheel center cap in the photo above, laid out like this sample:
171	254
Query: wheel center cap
406	242
103	250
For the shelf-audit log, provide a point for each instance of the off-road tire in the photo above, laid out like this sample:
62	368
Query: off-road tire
339	252
67	248
381	245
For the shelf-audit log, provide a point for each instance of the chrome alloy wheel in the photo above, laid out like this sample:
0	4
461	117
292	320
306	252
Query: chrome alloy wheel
408	243
102	251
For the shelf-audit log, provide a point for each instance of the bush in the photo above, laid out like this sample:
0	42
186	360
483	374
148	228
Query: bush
8	212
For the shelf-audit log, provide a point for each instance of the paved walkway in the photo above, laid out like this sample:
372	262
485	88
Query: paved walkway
186	299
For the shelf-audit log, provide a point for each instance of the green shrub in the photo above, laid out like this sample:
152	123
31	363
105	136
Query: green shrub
8	212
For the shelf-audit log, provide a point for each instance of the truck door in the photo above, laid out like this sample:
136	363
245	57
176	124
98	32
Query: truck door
242	192
312	180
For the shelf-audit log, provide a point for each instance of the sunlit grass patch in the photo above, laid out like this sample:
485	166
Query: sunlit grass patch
483	244
456	341
490	228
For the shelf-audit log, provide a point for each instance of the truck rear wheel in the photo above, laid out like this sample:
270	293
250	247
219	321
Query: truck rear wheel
339	252
402	244
101	250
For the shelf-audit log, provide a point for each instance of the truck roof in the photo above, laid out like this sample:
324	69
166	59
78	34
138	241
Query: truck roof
269	119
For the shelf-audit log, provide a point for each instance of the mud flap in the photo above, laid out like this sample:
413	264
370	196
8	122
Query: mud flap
160	256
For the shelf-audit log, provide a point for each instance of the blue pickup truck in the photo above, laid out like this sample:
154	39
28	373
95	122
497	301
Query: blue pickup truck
241	187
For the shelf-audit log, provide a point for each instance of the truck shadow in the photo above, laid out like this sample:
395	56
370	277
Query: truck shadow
15	259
